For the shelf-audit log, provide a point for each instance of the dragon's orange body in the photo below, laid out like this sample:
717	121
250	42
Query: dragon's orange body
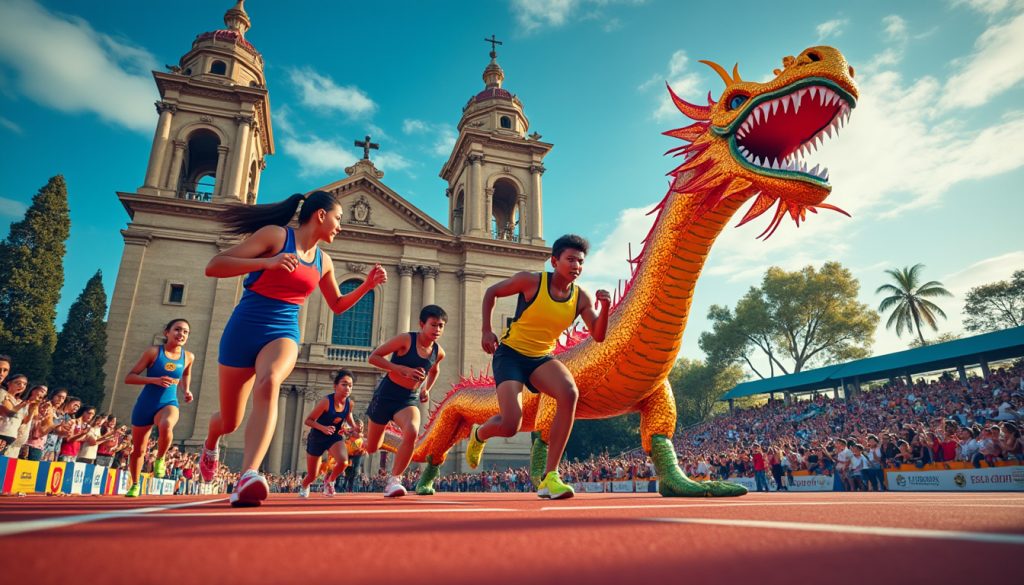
747	145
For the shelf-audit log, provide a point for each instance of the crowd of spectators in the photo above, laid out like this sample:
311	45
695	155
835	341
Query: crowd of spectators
853	439
929	421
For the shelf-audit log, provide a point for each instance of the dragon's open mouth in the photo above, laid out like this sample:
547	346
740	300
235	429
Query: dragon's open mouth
780	130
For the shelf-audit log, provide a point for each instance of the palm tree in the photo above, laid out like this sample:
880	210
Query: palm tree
909	302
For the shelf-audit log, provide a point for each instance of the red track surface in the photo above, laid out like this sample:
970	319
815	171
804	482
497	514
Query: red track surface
516	538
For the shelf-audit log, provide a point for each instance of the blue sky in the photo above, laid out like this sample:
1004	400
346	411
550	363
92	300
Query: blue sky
929	165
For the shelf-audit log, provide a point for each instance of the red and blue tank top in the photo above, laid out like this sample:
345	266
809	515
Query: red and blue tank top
290	287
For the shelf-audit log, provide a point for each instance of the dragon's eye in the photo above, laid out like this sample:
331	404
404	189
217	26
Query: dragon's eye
737	101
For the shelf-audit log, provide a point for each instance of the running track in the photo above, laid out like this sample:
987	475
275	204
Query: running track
488	539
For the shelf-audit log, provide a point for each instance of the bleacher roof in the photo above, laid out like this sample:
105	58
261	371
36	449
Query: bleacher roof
999	345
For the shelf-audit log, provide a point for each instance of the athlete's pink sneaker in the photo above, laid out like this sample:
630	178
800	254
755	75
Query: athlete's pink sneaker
251	490
394	489
208	464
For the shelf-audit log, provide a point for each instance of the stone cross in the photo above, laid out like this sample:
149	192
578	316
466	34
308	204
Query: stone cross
366	145
494	41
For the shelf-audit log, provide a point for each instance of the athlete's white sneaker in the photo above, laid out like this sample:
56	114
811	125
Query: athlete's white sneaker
250	491
394	489
328	489
303	491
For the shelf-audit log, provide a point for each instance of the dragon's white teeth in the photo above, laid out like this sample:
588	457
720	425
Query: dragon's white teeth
796	100
814	171
775	106
803	166
757	161
813	91
785	103
824	174
757	115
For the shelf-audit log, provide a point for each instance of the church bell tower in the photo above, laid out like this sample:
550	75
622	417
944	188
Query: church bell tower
494	173
214	128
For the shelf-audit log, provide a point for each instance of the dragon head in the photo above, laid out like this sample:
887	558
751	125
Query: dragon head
754	140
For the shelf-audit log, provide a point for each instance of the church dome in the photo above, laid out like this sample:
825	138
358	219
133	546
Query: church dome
492	93
233	37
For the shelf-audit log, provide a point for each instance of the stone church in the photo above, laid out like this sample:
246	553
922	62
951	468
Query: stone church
212	142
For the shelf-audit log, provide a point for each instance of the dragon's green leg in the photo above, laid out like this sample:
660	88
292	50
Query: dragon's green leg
425	486
538	461
657	421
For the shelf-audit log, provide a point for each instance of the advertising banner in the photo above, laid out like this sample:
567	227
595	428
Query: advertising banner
810	483
24	480
54	477
985	479
622	486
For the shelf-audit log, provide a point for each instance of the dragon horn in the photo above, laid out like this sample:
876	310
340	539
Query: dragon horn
692	111
736	72
721	72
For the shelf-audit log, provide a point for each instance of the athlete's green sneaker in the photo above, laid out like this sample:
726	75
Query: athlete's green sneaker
552	487
475	449
158	467
133	492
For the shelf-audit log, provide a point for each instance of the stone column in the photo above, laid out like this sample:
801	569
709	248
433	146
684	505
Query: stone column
119	321
174	172
262	164
489	231
474	198
536	212
429	281
469	351
404	297
298	460
277	442
160	139
238	162
985	372
222	156
524	219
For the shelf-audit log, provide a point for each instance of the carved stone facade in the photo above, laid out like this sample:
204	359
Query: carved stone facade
170	238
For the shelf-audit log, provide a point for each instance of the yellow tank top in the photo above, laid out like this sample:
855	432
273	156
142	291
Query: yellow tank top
537	324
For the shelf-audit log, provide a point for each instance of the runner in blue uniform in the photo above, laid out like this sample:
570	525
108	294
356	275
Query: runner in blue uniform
162	370
327	421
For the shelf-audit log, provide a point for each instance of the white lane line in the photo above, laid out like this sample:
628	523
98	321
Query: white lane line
752	505
338	512
987	537
12	528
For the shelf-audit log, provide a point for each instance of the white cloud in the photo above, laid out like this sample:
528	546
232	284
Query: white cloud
606	264
444	135
317	156
686	83
11	208
10	125
996	65
989	7
320	91
831	28
414	126
62	63
895	27
533	15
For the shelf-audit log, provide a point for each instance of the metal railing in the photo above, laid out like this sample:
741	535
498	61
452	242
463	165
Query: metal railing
195	196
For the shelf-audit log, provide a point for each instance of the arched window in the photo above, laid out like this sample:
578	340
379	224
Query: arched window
506	122
354	326
218	68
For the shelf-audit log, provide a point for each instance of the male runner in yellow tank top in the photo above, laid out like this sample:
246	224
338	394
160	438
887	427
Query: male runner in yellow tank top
548	304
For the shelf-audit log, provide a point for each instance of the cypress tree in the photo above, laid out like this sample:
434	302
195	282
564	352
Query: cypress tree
31	276
82	345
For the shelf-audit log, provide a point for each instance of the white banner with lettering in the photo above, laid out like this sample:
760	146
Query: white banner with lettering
986	479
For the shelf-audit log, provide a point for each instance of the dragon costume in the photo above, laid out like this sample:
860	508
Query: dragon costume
750	144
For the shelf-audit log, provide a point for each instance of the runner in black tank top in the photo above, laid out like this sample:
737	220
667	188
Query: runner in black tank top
410	375
326	420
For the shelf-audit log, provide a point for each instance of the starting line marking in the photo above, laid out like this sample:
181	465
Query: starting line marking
12	528
986	537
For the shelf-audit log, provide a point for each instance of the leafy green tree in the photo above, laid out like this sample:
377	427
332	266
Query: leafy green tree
32	273
699	385
908	301
995	306
82	345
795	319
